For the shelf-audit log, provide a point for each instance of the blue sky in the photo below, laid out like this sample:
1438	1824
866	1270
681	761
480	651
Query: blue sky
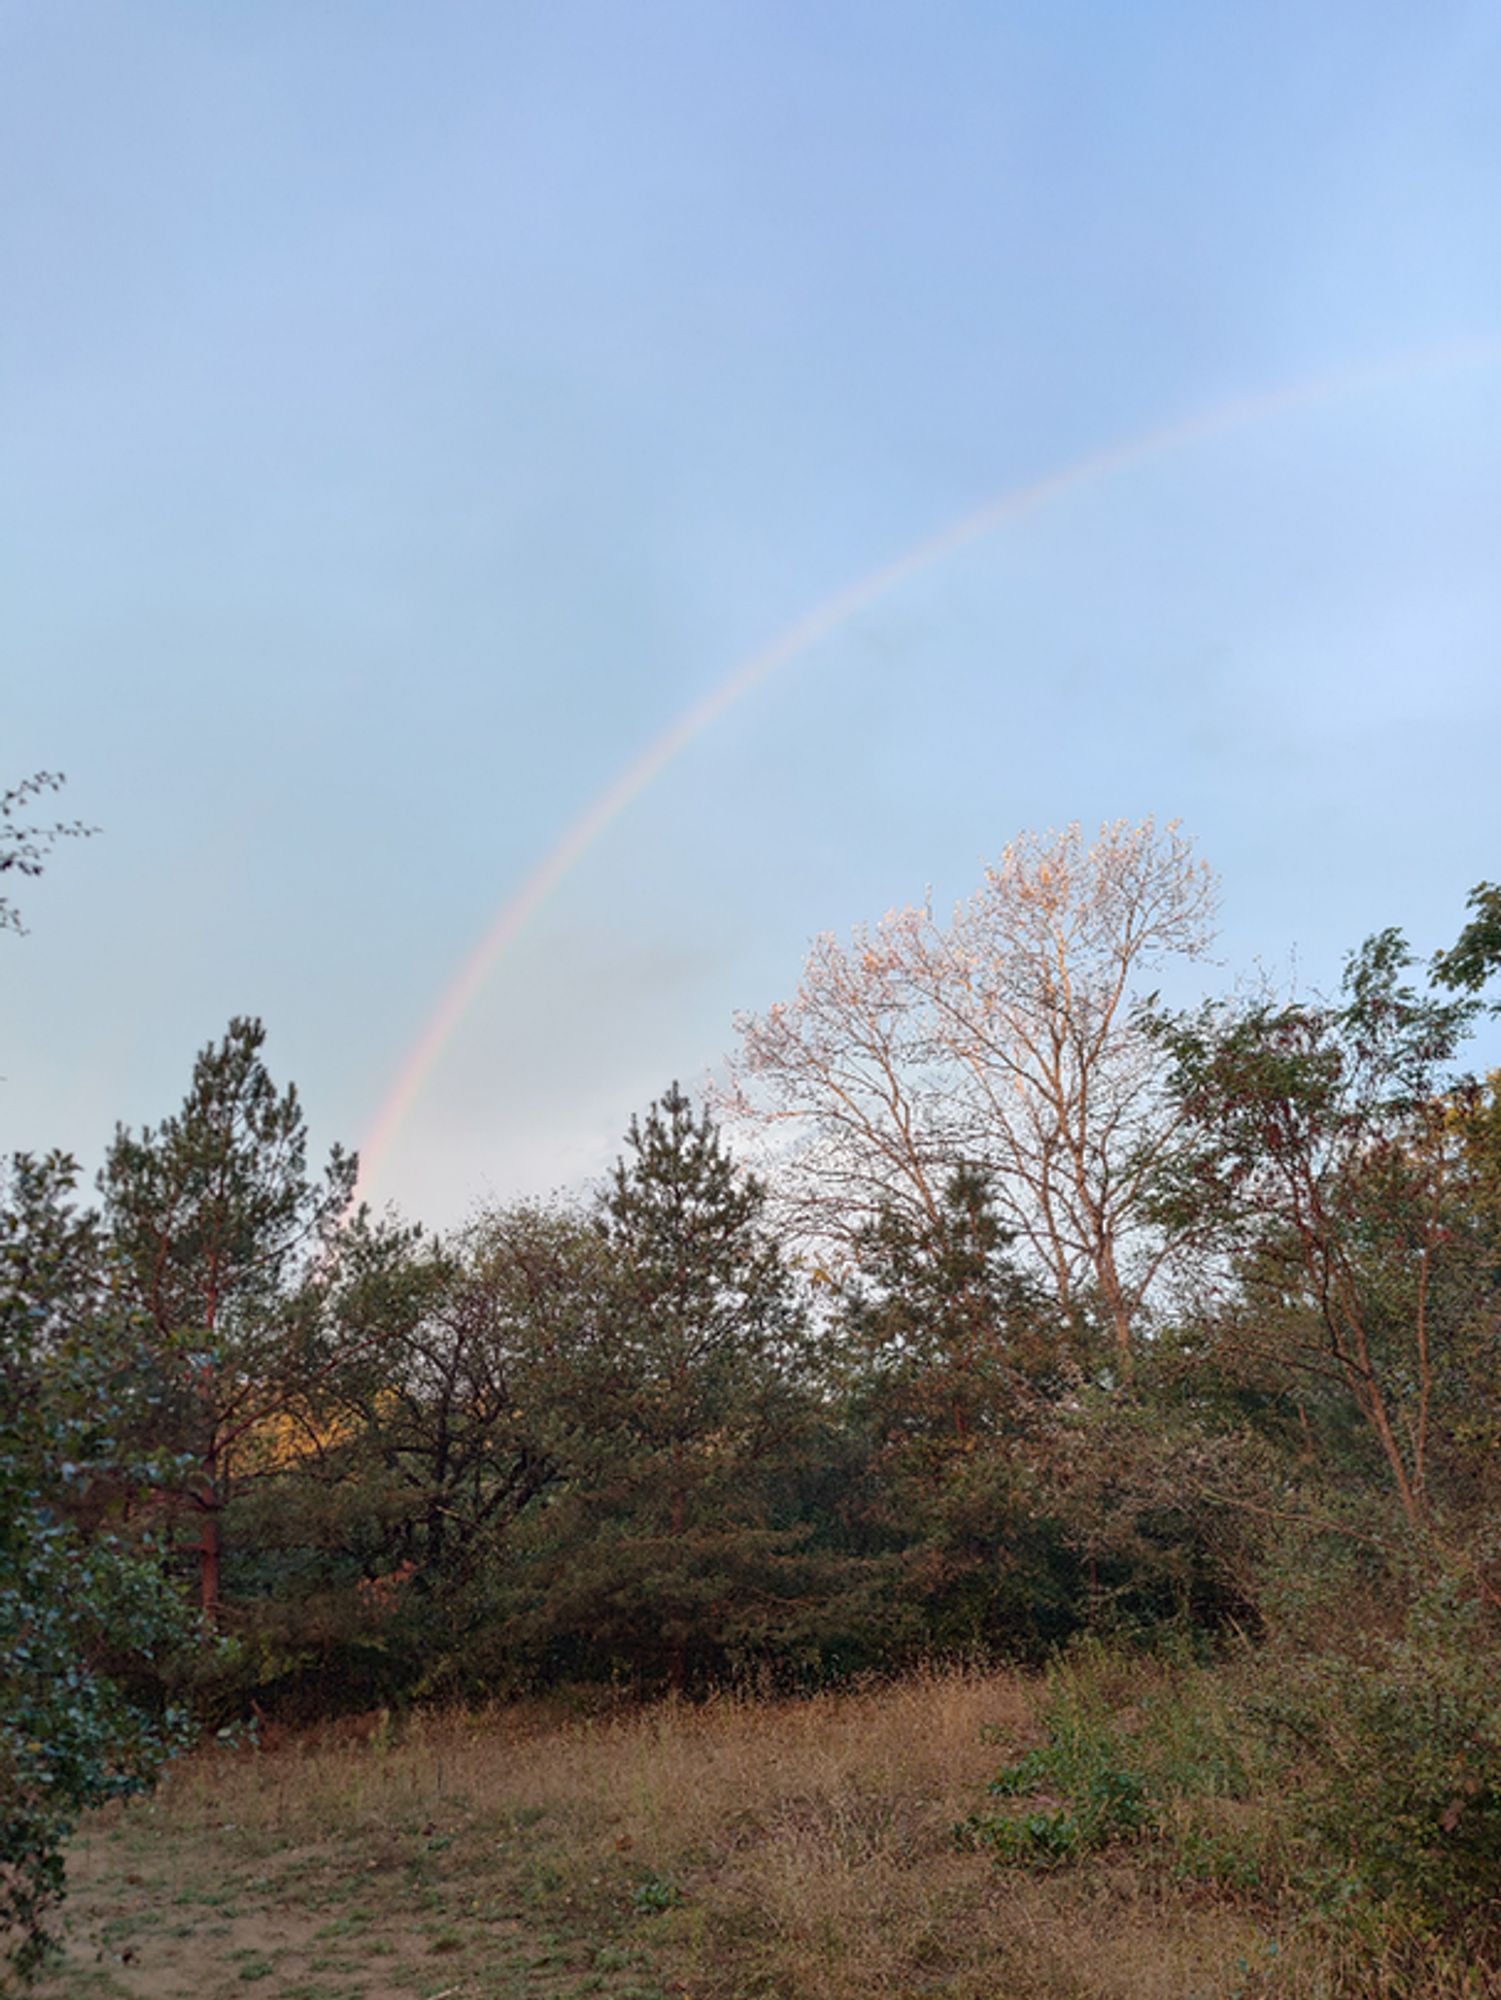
409	411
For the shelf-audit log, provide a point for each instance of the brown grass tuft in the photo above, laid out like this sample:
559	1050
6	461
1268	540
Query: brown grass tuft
801	1849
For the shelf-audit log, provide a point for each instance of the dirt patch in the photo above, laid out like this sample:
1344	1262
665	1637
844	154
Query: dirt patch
400	1914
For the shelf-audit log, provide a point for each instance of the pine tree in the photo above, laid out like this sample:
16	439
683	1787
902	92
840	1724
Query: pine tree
705	1323
955	1362
669	1550
952	1338
219	1227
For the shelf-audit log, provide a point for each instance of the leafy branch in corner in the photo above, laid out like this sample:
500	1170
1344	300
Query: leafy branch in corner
24	844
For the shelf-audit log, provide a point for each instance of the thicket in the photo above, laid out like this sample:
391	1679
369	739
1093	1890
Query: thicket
1061	1319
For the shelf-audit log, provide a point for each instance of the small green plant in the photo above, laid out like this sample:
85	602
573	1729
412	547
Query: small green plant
1128	1742
1082	1789
1075	1795
654	1894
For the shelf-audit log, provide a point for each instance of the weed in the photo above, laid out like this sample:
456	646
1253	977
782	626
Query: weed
1083	1789
655	1893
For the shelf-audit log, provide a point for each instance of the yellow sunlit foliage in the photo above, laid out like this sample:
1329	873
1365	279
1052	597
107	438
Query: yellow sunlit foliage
289	1437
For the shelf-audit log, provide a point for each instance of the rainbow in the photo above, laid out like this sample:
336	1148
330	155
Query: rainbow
817	624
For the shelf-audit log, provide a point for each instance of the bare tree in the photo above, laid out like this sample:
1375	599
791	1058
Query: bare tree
1005	1037
841	1085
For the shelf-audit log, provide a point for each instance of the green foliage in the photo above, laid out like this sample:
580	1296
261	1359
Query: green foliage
452	1411
951	1341
213	1210
1397	1747
1151	1747
654	1894
226	1246
84	1606
1328	1171
1284	1103
1106	1801
1082	1789
1475	956
1358	1785
671	1547
952	1366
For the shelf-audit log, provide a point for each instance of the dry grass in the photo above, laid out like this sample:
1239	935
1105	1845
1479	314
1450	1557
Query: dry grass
734	1848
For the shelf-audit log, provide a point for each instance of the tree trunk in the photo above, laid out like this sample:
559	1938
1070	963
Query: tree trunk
210	1544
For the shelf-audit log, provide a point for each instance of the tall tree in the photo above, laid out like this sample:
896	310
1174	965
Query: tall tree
1006	1037
665	1543
955	1364
221	1231
454	1396
952	1339
378	1505
704	1317
1344	1173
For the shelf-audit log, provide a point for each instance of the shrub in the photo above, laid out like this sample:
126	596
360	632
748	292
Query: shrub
1397	1746
87	1617
1356	1792
1080	1790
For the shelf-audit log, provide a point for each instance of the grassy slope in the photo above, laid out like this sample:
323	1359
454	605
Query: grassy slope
737	1848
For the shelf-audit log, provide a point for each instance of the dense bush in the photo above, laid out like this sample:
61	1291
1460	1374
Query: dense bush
88	1619
1355	1792
1396	1747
